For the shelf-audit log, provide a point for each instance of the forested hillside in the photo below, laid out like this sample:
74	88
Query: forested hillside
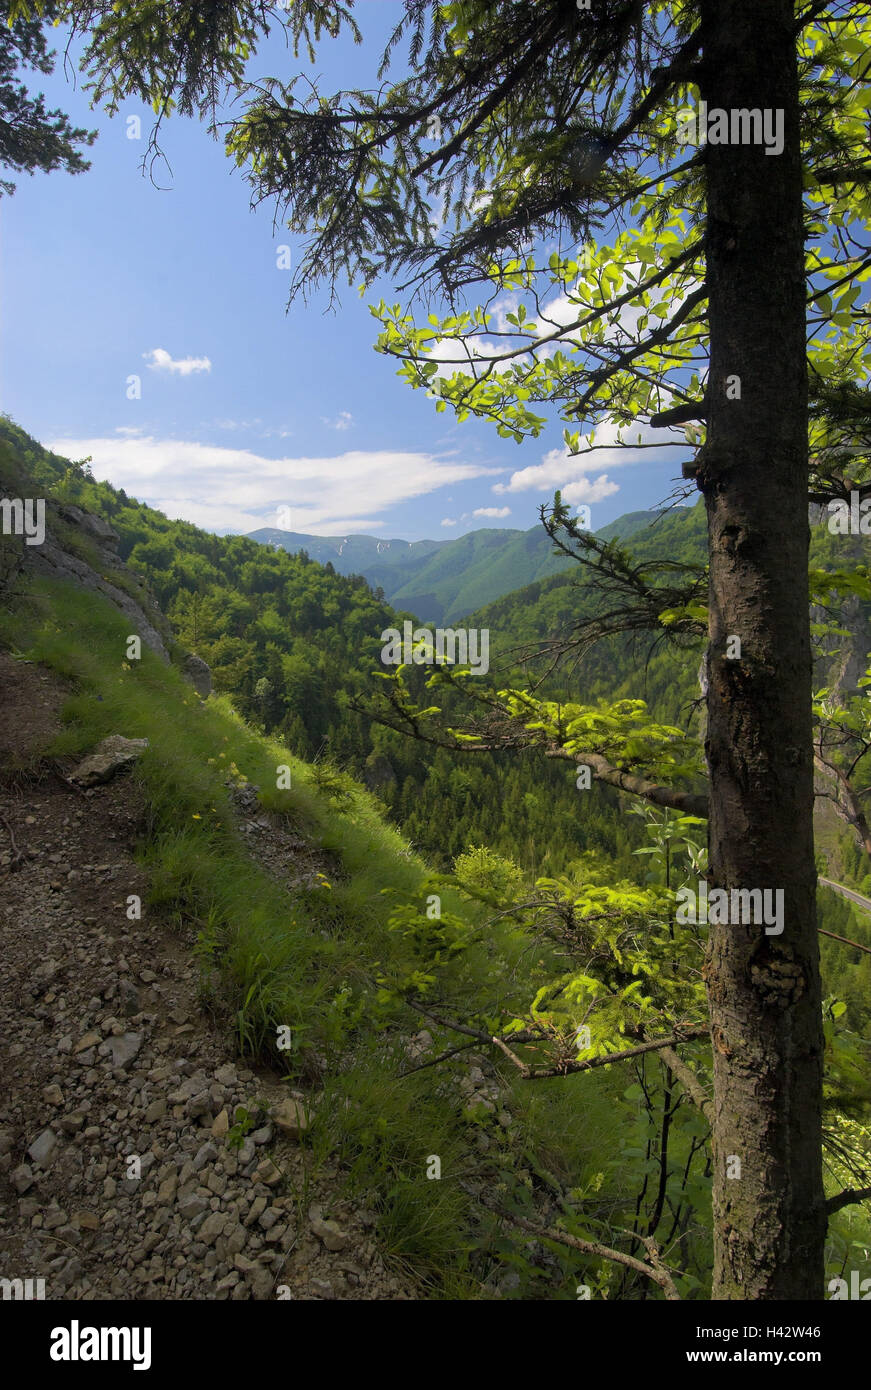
294	643
296	647
472	918
441	581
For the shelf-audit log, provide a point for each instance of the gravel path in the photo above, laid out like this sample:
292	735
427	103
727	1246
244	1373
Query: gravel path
115	1177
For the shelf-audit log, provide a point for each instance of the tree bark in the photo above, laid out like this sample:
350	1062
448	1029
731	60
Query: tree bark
763	990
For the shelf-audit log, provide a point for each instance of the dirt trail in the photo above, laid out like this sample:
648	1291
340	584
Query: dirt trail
107	1057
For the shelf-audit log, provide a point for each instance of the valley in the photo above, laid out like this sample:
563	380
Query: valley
218	967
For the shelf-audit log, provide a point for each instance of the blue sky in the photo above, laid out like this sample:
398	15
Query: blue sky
248	416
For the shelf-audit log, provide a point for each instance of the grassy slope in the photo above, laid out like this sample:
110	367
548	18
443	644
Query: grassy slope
313	960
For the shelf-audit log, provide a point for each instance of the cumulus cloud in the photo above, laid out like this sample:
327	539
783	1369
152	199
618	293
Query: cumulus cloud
589	490
161	361
449	521
454	356
602	449
343	421
222	488
492	511
499	311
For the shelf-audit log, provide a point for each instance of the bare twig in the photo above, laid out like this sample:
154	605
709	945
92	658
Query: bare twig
568	1065
434	1061
845	939
656	1270
18	855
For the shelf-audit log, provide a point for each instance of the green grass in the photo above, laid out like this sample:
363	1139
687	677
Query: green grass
314	960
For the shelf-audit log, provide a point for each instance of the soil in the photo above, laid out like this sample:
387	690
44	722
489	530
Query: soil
116	1180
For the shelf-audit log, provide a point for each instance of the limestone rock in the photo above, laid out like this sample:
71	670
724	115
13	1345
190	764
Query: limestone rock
22	1178
42	1148
206	1153
197	674
86	1221
332	1235
212	1227
290	1118
92	524
125	1049
266	1172
52	558
113	755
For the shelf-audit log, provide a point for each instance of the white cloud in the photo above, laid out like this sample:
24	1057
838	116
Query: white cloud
449	521
507	304
454	356
492	511
559	468
222	488
162	362
583	490
343	421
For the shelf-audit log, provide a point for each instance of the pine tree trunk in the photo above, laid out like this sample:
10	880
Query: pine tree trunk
763	990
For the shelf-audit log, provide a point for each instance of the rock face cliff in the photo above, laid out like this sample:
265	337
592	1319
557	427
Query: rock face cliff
79	546
83	547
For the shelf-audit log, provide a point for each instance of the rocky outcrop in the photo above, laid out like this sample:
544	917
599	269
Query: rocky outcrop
852	659
91	524
196	671
111	757
57	558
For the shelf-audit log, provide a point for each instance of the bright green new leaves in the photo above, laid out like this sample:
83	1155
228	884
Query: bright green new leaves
581	317
850	717
616	330
621	732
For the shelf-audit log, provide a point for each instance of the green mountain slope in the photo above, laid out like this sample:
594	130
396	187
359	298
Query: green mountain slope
640	667
279	949
353	554
441	581
292	644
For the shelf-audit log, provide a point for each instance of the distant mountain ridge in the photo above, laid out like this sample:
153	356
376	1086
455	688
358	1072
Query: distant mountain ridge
441	581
